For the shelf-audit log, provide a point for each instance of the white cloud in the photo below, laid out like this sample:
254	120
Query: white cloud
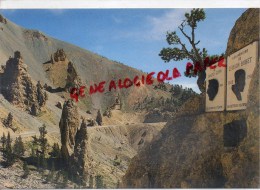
155	27
194	86
169	21
117	20
188	84
56	11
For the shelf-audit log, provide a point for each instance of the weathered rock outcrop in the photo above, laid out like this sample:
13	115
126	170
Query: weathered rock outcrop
69	124
61	71
118	104
59	55
79	168
73	79
92	123
193	151
2	19
17	86
245	31
74	142
35	34
241	166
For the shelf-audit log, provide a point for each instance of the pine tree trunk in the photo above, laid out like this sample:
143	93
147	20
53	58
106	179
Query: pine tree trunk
201	81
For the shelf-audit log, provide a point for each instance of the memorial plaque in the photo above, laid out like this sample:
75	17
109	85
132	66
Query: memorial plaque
239	73
216	87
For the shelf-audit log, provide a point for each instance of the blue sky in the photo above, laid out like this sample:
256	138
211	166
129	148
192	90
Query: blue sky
131	36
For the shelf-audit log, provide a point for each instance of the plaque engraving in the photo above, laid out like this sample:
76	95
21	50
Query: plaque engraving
215	88
240	67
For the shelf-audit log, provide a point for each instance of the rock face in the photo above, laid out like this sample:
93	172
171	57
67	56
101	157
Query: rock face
73	79
3	20
242	165
59	55
193	151
74	142
32	34
18	88
117	104
69	124
62	72
79	168
92	123
245	31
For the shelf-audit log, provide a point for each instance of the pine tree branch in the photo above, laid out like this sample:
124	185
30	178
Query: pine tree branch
186	51
191	40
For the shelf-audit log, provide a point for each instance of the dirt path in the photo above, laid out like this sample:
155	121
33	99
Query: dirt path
56	131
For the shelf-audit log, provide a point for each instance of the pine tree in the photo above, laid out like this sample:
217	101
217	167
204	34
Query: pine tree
57	177
8	154
91	182
55	153
99	182
51	173
3	141
99	118
38	160
117	184
18	148
34	143
43	143
180	50
44	163
65	179
26	170
8	122
41	95
40	145
49	177
35	110
52	167
33	155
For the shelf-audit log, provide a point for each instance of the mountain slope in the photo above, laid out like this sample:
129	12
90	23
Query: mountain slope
122	135
37	49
